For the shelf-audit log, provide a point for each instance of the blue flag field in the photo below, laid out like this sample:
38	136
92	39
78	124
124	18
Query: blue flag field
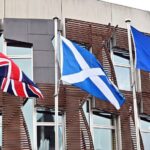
80	68
142	49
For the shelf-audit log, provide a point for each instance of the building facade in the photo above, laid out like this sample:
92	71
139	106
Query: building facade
85	122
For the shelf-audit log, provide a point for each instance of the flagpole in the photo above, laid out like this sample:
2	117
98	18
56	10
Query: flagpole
136	119
56	83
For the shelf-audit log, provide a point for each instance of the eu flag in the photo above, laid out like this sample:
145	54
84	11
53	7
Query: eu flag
80	68
142	49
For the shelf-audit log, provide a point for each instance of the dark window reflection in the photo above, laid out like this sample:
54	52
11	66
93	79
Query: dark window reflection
121	58
102	119
45	138
46	130
47	116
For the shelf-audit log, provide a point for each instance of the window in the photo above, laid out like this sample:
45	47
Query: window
103	128
22	55
103	131
46	130
145	131
122	68
1	42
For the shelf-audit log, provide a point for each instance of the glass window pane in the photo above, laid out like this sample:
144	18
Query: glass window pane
145	125
47	116
100	120
46	138
103	139
60	138
11	50
27	112
25	66
0	120
145	131
123	78
1	43
121	60
145	138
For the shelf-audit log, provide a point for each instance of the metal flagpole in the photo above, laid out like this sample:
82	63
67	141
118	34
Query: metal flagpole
136	119
56	83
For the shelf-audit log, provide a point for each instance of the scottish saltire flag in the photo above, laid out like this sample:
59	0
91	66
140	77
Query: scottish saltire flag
142	49
81	69
14	81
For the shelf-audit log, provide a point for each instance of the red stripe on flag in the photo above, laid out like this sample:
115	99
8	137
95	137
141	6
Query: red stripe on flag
15	71
35	91
3	84
3	63
19	88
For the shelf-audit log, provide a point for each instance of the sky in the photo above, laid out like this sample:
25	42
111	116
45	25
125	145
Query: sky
140	4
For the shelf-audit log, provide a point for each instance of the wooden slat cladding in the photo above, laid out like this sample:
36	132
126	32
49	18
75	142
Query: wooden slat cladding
145	81
87	142
82	35
121	38
73	135
48	93
95	36
145	100
145	95
15	133
78	134
98	38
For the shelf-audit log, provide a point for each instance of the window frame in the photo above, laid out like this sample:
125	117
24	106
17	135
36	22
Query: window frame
13	43
113	47
145	118
124	66
5	43
116	127
104	127
50	124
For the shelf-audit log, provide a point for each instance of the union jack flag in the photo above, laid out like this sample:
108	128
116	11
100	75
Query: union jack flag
14	81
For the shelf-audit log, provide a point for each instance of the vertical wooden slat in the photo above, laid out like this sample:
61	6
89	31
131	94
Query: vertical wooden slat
15	134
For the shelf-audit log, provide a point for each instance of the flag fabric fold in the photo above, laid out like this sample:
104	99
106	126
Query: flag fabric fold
14	81
142	49
80	68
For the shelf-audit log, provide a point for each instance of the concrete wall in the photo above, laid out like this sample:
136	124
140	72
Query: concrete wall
39	32
88	10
